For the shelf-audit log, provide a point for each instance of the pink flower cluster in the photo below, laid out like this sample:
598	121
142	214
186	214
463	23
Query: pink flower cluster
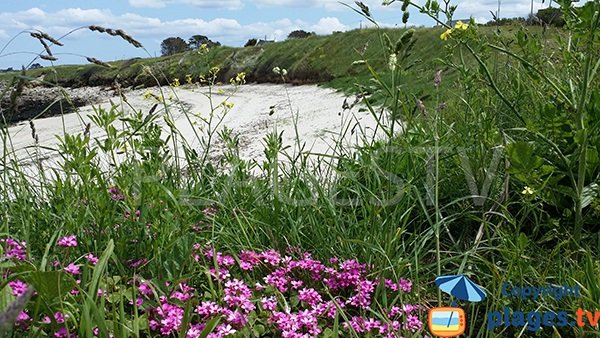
68	241
116	194
321	291
291	295
14	249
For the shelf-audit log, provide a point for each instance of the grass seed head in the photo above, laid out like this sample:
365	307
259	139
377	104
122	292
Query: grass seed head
116	32
46	47
48	57
51	39
98	62
95	28
437	79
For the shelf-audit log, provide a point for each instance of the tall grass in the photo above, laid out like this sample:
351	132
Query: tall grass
443	193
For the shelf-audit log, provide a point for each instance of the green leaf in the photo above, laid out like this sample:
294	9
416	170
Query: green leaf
51	284
388	44
522	241
589	193
100	267
210	326
522	156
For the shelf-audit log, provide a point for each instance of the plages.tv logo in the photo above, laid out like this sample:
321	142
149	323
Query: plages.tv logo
537	320
451	321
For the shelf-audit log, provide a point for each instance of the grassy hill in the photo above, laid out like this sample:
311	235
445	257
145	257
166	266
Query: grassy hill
317	59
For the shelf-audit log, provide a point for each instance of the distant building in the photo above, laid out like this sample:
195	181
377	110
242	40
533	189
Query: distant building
262	42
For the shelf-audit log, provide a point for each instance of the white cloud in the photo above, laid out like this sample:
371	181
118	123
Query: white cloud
149	30
229	4
332	5
328	25
147	3
480	9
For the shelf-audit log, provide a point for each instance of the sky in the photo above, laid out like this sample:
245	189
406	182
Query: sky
231	22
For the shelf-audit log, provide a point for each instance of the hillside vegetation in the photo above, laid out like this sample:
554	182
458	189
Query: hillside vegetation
488	168
315	59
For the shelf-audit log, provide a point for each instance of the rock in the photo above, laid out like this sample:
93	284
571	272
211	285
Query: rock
38	101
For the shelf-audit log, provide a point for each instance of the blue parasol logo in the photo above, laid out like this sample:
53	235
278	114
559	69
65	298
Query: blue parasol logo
461	287
451	321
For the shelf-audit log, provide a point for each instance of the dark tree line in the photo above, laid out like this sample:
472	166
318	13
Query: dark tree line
547	16
174	45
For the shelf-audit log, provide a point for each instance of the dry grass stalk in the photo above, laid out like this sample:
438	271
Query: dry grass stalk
11	312
51	39
116	32
86	132
34	134
98	62
41	36
48	57
46	47
437	79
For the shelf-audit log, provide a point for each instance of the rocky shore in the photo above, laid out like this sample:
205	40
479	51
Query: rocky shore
35	101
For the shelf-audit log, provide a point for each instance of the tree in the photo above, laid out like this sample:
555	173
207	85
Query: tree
35	66
551	16
172	45
250	43
300	34
198	40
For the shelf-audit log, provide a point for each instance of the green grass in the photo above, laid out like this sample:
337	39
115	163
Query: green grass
446	194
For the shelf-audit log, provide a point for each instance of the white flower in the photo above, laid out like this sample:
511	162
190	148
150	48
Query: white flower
393	62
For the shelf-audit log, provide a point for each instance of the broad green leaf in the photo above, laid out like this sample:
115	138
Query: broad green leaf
210	326
51	284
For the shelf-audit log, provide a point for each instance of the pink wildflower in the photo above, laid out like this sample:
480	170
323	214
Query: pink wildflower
237	294
405	285
184	293
18	287
309	296
269	304
248	260
145	288
72	269
208	308
413	323
195	330
68	241
14	249
91	258
272	257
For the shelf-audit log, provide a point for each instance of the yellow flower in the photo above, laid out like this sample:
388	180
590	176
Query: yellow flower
461	25
241	78
214	70
527	191
147	94
227	104
176	82
188	79
446	35
203	49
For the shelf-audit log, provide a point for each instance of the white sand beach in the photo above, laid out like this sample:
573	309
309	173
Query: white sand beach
257	110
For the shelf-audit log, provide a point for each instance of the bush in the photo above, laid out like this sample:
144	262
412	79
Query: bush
300	34
251	42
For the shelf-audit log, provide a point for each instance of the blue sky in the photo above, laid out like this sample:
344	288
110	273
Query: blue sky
231	22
